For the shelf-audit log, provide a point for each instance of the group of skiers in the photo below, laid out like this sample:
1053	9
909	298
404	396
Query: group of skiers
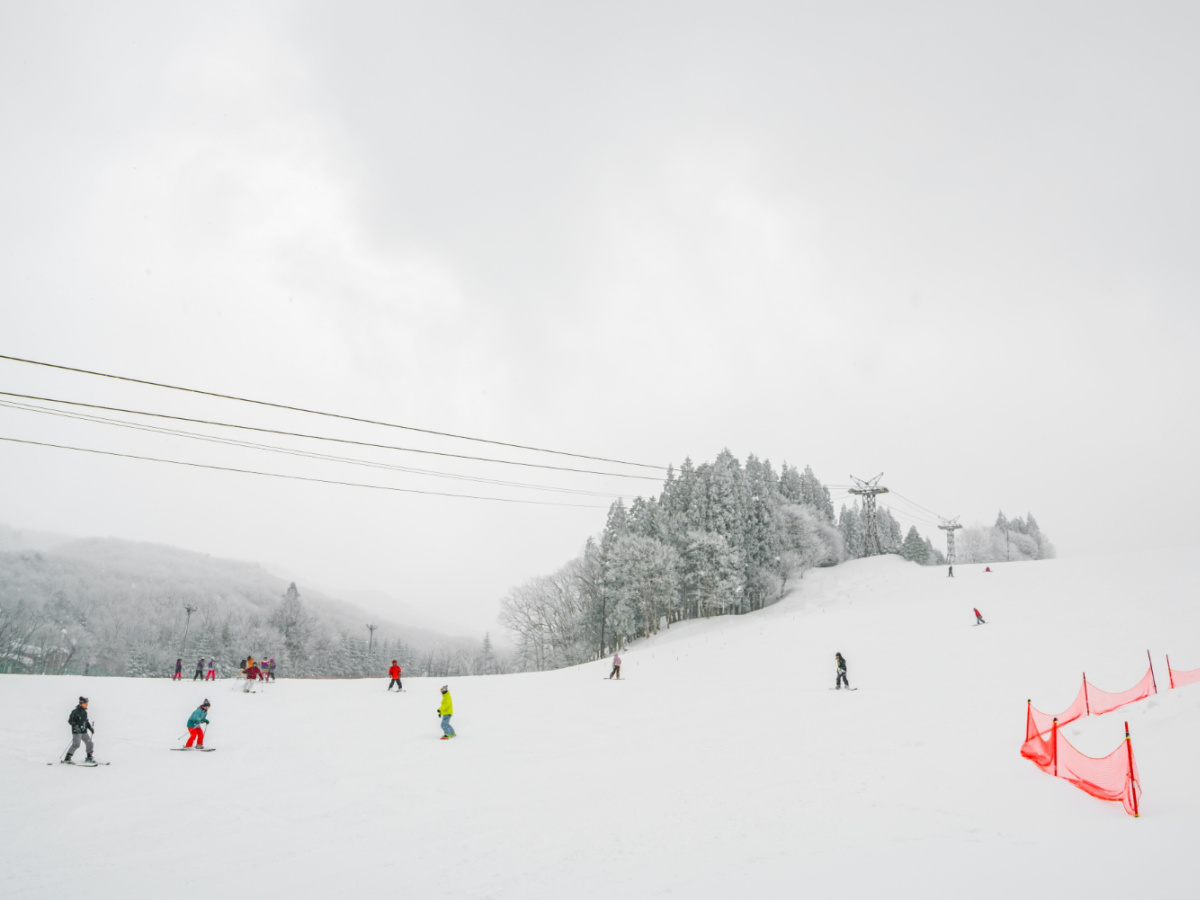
203	673
264	671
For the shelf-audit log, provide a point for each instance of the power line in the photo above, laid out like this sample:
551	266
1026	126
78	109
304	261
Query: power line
318	437
315	412
307	454
377	487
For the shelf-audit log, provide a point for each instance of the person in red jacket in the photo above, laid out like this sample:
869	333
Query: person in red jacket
394	674
979	618
251	675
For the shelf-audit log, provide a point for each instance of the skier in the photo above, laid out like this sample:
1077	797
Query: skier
80	726
394	674
242	665
212	670
195	720
616	669
841	672
987	569
271	669
979	618
951	575
252	673
199	676
178	676
446	710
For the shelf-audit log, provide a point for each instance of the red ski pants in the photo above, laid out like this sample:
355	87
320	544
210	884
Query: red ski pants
195	734
212	675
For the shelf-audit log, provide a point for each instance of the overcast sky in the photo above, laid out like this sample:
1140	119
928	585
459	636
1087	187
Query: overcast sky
953	243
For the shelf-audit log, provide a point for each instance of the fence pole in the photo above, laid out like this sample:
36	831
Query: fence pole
1170	674
1152	679
1132	783
1054	746
1086	703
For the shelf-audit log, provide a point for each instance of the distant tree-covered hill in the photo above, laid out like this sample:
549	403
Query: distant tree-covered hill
110	607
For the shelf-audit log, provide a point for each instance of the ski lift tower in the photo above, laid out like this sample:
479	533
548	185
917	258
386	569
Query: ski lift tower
867	490
950	526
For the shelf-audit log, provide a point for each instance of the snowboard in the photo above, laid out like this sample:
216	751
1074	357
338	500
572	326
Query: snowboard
201	749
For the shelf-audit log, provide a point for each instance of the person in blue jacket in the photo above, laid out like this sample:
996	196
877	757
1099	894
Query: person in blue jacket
195	732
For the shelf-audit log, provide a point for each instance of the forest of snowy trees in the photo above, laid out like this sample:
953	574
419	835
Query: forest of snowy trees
721	538
104	607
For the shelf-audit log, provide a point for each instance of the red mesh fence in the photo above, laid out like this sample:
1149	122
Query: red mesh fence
1113	777
1091	700
1179	679
1100	702
1037	747
1043	721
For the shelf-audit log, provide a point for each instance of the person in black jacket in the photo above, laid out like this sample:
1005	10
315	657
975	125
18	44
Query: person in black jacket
80	726
841	672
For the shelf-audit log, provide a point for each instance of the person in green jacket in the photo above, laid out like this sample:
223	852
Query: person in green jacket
195	732
446	710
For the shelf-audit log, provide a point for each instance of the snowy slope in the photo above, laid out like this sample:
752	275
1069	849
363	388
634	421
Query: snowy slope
722	764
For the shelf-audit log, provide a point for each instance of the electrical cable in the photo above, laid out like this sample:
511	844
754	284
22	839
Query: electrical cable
378	487
315	412
308	454
318	437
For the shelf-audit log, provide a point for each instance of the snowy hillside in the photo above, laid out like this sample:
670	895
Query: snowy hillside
722	765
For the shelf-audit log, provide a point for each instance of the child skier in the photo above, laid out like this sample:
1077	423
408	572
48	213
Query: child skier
178	676
271	669
199	676
195	732
841	672
212	670
979	618
446	710
394	674
616	669
80	726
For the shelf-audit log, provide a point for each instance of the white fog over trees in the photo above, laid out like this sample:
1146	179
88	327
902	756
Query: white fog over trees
721	538
108	607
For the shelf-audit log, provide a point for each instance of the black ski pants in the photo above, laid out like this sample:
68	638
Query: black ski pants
842	679
396	682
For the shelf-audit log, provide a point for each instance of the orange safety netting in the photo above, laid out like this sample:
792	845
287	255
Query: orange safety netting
1100	702
1036	747
1092	701
1113	777
1179	679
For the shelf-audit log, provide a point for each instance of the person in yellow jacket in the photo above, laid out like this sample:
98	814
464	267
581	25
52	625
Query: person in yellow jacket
446	710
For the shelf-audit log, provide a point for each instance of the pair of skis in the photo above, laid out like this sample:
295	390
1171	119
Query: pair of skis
82	765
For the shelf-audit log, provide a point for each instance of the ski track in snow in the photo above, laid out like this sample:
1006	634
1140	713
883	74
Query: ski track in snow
722	763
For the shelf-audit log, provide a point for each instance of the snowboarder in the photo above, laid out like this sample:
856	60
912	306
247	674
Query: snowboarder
178	676
616	669
252	674
195	720
446	710
951	574
199	676
80	726
841	672
979	618
394	674
212	670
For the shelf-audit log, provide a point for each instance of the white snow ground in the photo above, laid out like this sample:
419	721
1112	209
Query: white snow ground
723	764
